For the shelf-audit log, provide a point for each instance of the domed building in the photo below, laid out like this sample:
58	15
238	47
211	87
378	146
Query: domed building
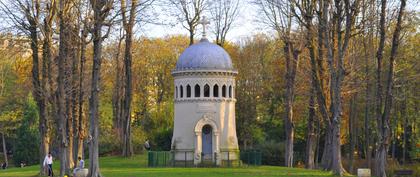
204	122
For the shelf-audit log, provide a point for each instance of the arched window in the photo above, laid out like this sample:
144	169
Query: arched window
197	90
188	91
176	92
224	91
230	91
206	90
216	91
181	91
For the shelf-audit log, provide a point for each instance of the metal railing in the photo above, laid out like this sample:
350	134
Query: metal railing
159	158
252	157
185	159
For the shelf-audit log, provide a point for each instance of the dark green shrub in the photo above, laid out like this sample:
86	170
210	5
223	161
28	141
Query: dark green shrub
272	153
26	148
162	140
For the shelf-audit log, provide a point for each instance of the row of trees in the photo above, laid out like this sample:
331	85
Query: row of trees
60	33
330	44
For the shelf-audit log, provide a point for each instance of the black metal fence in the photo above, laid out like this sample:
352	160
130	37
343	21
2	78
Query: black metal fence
229	159
252	158
160	158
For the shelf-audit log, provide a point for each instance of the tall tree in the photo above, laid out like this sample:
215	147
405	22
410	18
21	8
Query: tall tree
383	107
128	25
278	15
343	15
305	13
101	9
67	59
80	118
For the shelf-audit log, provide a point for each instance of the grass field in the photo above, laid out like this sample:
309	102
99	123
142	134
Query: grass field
136	167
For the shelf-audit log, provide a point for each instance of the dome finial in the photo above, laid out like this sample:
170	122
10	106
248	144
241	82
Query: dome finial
204	22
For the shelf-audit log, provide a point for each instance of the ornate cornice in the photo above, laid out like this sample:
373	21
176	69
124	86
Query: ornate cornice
201	99
195	72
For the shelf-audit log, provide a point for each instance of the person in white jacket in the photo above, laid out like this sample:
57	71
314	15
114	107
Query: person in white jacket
48	161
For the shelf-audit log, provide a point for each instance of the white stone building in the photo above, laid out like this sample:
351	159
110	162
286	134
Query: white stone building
204	123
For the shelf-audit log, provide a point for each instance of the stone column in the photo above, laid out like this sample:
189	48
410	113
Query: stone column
217	149
211	86
197	154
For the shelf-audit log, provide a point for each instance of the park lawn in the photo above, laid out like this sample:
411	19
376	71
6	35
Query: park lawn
136	167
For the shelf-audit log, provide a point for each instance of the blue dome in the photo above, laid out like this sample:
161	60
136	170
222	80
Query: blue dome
204	56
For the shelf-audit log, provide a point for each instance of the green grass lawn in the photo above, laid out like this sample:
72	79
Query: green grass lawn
136	167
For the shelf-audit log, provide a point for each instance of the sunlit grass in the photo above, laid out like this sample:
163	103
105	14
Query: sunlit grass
136	167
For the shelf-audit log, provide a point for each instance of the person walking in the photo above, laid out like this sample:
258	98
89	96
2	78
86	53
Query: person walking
48	161
147	145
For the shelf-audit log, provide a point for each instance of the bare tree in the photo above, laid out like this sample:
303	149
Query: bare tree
101	9
84	13
278	15
224	13
67	61
383	109
47	31
128	25
343	15
305	13
188	12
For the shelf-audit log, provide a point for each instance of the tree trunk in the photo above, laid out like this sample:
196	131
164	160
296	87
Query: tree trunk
4	149
43	122
75	93
81	133
71	67
62	130
38	89
94	100
70	120
317	81
311	136
100	10
288	122
128	24
127	148
381	154
191	31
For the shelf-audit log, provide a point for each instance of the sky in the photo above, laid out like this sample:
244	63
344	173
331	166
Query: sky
245	25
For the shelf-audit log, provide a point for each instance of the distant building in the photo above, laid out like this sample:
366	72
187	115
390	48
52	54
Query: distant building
17	43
